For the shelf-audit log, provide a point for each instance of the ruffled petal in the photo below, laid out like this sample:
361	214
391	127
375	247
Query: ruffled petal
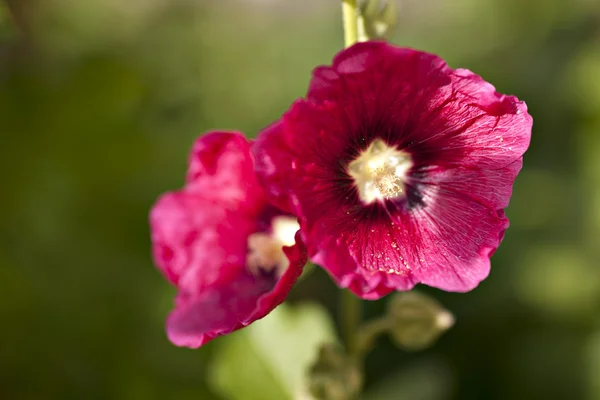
200	242
221	309
221	168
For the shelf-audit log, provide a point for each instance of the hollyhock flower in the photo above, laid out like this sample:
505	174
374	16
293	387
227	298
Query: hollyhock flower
398	168
232	256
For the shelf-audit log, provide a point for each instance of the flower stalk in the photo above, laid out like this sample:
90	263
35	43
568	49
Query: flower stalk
368	333
350	17
350	320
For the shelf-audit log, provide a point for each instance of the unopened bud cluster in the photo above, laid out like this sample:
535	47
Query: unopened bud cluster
377	18
334	376
416	321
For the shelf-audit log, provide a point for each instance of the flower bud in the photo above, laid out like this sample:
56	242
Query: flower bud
377	21
334	376
417	320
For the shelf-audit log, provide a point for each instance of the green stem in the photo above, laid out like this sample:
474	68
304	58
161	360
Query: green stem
368	333
351	315
350	17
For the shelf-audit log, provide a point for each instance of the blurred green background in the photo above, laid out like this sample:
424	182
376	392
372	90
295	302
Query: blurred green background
100	101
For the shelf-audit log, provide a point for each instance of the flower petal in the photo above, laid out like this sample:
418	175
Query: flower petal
189	242
224	308
200	242
222	168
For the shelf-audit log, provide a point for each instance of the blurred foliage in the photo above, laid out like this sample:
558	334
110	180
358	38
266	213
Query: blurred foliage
593	364
428	378
100	101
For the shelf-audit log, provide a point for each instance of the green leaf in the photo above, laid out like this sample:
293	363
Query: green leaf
269	360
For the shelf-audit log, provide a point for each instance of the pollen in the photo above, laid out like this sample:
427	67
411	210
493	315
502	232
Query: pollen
265	249
380	172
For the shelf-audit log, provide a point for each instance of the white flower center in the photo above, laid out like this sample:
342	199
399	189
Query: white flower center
265	249
379	172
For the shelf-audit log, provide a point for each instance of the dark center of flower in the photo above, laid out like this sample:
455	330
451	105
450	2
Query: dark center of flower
265	249
379	172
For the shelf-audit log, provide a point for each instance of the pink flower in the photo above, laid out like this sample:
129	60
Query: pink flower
398	168
232	256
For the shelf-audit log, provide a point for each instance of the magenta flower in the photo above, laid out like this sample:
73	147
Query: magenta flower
232	256
398	168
